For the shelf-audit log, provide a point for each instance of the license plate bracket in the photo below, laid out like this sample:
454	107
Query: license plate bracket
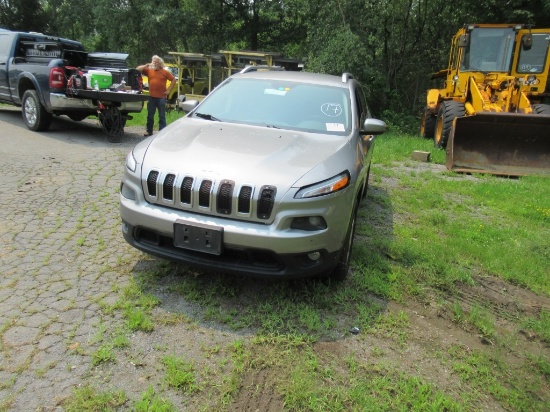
199	237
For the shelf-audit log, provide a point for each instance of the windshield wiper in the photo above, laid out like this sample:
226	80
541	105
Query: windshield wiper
207	117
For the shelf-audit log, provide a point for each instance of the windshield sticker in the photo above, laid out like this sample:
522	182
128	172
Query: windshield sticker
281	91
335	127
332	109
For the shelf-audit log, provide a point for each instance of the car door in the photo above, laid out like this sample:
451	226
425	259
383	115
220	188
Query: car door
6	41
362	115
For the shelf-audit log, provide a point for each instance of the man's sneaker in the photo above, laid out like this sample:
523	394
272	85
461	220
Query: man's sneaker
148	134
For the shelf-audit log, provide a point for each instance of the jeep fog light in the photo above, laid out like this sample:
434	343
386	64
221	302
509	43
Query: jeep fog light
314	255
127	192
125	228
308	223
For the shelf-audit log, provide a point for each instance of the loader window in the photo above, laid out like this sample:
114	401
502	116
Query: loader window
534	59
490	50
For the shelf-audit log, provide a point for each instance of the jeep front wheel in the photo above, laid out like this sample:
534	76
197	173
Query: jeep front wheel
34	114
340	272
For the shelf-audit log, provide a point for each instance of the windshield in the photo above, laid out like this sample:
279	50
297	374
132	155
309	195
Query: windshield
280	104
534	59
489	50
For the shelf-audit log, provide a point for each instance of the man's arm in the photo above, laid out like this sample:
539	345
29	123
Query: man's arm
143	66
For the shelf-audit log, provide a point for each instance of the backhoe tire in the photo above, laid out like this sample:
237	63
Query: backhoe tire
541	109
448	111
427	125
35	116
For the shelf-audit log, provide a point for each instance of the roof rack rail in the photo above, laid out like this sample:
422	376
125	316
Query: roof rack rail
346	77
253	68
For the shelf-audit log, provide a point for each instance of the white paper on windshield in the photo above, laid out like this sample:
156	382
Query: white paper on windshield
279	92
335	127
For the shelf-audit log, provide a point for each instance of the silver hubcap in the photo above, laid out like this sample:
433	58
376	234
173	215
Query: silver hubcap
30	111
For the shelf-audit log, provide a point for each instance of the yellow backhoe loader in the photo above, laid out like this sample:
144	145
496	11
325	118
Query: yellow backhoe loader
493	112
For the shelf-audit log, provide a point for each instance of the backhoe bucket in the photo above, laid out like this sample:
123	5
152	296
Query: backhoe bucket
500	143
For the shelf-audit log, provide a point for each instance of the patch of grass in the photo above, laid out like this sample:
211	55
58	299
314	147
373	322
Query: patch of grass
151	402
103	354
540	325
89	399
180	374
486	373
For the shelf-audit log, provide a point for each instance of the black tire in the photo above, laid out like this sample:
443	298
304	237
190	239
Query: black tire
340	272
35	116
541	109
427	125
448	111
366	186
112	122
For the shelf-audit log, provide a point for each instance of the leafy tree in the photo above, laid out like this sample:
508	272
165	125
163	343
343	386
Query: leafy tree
22	15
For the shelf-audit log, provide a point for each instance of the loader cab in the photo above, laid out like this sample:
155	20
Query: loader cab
488	49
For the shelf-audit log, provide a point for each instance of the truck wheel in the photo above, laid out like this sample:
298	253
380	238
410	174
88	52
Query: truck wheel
35	116
541	109
340	272
448	111
427	125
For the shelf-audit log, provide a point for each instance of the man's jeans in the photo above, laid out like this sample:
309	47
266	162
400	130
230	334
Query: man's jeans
153	104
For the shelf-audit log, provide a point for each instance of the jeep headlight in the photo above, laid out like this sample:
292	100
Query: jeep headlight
325	187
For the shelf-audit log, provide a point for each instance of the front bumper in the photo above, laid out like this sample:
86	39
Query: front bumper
250	248
247	261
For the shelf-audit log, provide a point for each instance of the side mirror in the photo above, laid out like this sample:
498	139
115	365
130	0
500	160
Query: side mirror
464	40
188	105
527	41
373	126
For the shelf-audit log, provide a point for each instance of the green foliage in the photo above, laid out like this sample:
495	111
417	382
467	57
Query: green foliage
391	46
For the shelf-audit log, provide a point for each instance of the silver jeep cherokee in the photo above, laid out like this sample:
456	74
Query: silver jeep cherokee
262	178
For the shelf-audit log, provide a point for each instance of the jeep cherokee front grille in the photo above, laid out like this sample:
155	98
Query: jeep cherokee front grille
168	187
266	201
204	193
152	183
222	197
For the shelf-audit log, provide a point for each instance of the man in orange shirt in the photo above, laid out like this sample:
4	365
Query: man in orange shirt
158	76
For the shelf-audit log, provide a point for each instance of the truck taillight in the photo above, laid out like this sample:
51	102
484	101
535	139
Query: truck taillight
57	78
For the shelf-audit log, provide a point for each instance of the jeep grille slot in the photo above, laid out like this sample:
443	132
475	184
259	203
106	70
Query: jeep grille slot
152	183
185	192
212	196
225	195
244	199
168	187
204	193
266	201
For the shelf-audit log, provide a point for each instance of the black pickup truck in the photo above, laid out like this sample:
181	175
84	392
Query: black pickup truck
47	76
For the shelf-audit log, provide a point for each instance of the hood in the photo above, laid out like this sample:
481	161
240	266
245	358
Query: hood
244	154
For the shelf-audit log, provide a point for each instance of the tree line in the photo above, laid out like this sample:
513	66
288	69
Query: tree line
392	46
